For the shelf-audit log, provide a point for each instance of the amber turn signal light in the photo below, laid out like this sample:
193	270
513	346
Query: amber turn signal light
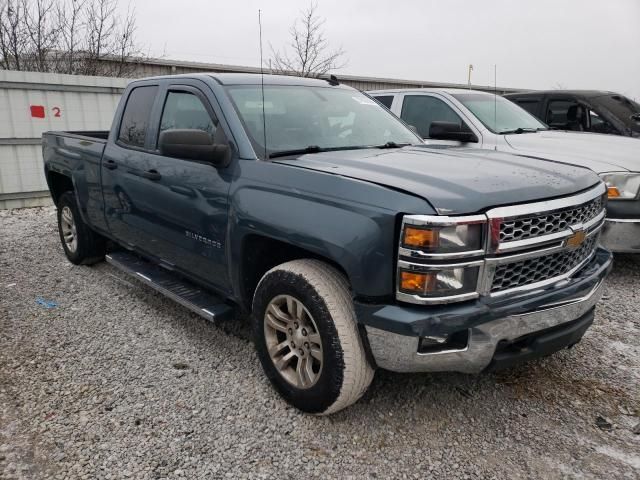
417	282
613	192
421	237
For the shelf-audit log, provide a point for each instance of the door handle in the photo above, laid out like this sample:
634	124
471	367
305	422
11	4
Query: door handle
151	175
110	164
187	192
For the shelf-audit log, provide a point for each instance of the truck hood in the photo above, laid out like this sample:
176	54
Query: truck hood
454	182
601	153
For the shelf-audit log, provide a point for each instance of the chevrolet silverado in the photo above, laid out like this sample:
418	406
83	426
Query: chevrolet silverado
352	245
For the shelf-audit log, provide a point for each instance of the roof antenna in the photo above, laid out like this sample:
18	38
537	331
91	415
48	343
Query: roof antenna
264	119
333	80
495	101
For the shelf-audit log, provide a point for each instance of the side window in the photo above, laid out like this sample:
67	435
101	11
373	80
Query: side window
385	100
598	124
566	115
530	106
135	119
595	119
421	110
184	110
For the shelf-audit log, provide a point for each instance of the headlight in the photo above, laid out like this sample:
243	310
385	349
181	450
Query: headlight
440	258
444	235
622	185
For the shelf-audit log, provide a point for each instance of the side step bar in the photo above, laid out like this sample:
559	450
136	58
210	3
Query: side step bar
182	291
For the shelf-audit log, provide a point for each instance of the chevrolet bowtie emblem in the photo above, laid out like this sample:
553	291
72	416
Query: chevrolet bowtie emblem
577	239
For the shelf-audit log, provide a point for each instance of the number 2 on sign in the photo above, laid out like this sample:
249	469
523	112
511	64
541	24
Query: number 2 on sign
56	112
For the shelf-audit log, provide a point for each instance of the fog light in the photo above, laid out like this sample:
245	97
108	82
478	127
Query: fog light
417	282
445	281
439	343
432	340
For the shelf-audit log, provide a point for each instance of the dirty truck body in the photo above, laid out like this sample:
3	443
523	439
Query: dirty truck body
352	244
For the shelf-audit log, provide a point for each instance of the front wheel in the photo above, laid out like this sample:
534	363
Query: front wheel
307	338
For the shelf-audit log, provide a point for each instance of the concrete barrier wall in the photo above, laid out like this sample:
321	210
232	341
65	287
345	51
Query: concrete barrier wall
32	103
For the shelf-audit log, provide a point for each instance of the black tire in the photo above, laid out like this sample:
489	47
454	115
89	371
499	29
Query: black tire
345	373
90	247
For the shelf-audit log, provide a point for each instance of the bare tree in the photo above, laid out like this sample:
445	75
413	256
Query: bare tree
67	36
308	54
71	21
13	34
110	40
4	47
42	30
125	46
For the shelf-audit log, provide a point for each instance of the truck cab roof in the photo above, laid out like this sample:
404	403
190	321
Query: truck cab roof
571	93
248	79
425	90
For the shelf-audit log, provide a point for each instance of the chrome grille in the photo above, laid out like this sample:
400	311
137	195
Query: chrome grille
514	229
526	272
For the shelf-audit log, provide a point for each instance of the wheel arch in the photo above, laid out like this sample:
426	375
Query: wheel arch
260	253
59	183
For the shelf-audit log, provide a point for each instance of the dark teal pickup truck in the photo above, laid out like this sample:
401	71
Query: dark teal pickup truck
309	205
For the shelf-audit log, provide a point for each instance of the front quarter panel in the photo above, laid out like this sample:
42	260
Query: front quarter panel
349	222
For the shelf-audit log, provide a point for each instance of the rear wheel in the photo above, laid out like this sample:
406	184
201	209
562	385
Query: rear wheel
307	337
81	245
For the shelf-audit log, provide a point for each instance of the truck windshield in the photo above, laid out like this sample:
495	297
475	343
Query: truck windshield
499	114
622	108
309	119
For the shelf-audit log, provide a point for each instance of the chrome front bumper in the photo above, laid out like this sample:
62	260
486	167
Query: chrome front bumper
621	235
399	353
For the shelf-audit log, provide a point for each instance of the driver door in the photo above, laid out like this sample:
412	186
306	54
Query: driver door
190	198
421	110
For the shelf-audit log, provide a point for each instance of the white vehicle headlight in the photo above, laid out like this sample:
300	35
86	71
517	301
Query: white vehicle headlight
622	185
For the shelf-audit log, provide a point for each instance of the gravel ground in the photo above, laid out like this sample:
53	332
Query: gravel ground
117	381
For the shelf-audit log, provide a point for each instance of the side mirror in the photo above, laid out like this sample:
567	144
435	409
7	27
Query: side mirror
451	131
193	144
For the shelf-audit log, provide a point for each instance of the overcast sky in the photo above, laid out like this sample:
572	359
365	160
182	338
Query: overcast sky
536	43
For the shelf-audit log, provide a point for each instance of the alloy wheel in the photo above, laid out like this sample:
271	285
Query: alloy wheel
293	341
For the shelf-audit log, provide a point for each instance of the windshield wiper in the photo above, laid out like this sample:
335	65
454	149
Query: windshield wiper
314	149
520	130
298	151
392	145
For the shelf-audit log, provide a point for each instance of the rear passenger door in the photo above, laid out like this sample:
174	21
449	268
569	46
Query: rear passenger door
126	158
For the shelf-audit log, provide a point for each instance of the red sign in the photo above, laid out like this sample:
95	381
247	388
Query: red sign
37	111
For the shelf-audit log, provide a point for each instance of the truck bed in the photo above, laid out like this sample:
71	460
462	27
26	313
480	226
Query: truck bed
92	134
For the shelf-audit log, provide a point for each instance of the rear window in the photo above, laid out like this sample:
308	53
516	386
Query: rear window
385	100
530	106
135	119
